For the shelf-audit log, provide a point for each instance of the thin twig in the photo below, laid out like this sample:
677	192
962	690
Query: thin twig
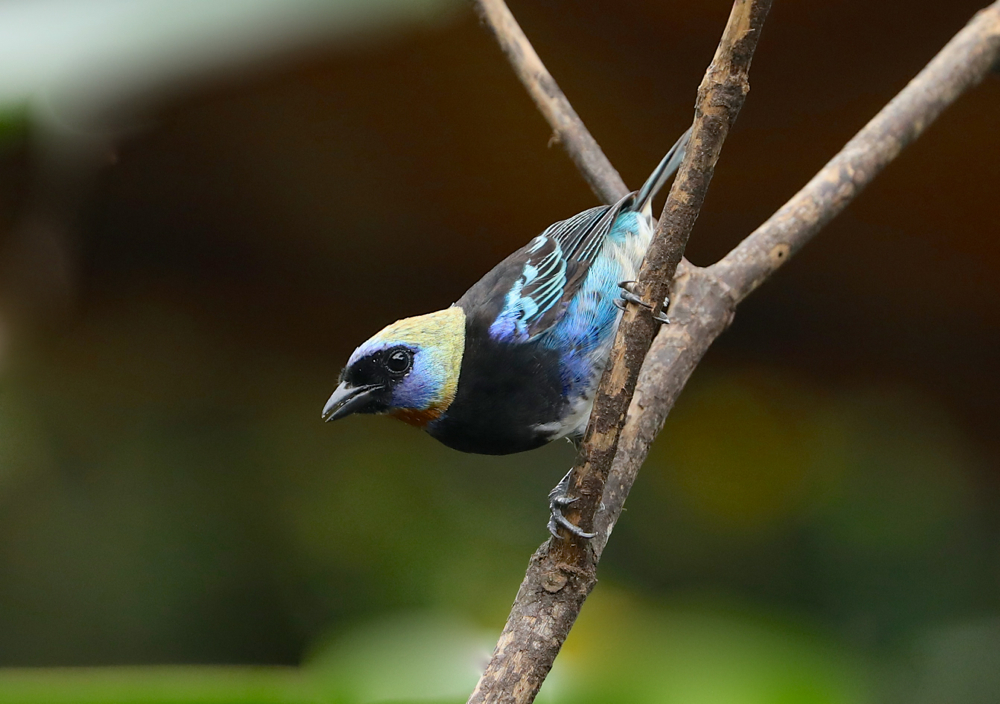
563	572
567	127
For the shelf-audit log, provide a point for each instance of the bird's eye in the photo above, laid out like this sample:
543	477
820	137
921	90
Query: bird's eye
399	361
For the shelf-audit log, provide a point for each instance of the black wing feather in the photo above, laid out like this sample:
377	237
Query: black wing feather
525	294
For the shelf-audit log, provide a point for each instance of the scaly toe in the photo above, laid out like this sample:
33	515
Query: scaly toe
632	298
559	500
557	520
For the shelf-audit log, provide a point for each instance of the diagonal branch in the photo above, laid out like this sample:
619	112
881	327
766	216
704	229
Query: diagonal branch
961	64
563	572
567	127
720	98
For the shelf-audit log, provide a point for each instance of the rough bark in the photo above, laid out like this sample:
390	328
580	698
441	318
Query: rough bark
562	572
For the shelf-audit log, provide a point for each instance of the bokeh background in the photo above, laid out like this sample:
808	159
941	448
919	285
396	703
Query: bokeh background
204	207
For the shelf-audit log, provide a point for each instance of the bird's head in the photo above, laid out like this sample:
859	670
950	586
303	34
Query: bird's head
410	370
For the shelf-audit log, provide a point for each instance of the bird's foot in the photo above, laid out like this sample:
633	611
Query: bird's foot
558	501
628	296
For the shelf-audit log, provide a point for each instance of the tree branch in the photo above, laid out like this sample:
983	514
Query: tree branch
704	300
702	306
720	98
567	127
563	572
701	309
961	64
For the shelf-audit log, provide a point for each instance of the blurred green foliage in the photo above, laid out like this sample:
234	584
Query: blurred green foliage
828	546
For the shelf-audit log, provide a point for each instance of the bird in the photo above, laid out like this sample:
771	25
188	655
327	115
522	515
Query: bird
515	362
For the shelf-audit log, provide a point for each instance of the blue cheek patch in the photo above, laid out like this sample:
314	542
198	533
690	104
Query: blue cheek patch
422	387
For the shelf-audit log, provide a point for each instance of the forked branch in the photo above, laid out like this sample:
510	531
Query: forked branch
961	64
704	300
703	303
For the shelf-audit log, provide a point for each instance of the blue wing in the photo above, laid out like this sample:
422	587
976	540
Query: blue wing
528	293
552	268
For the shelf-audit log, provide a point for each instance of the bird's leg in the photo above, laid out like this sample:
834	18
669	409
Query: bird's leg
627	296
558	500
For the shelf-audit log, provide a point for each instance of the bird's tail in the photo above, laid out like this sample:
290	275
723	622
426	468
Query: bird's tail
662	173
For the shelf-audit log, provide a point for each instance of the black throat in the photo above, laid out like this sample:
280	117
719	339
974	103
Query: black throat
505	392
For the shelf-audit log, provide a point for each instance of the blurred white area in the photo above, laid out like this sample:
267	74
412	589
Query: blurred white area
68	59
77	75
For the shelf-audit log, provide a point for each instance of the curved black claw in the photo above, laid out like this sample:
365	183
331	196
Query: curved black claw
558	500
627	296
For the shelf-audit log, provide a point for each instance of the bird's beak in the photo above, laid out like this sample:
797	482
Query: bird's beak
347	400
